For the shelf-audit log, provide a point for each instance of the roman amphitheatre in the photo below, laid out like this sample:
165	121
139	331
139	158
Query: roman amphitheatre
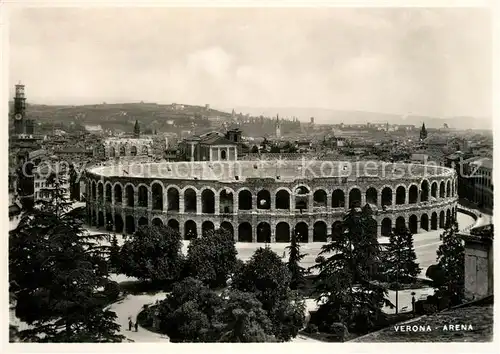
265	201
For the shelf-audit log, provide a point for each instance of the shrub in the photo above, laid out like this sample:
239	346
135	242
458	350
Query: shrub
319	259
436	273
311	328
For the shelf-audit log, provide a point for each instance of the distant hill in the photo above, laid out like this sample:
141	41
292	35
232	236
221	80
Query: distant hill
331	116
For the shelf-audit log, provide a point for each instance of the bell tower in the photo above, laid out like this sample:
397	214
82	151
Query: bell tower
19	110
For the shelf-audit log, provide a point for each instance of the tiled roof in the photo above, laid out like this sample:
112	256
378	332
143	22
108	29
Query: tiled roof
216	140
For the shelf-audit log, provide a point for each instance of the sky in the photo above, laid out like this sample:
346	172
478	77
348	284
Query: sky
422	61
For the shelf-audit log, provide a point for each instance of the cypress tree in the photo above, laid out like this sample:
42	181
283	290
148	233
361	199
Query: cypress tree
401	257
298	272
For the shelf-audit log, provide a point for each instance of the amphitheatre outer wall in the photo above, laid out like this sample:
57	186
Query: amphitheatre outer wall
265	203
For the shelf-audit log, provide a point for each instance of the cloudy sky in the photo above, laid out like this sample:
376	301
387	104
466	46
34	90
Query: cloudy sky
425	61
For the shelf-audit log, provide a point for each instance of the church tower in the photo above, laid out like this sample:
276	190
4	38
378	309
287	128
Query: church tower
423	133
19	113
278	127
137	130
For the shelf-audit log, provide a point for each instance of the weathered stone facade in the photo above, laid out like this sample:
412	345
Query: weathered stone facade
267	209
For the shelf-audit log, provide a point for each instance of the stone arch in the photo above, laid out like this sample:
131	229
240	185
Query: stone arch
442	221
338	199
413	224
100	219
143	221
245	232
117	189
108	192
226	225
190	202
282	232
301	194
122	150
112	152
386	196
157	222
190	230
145	150
320	198
174	224
208	201
263	199
302	232
372	196
133	150
424	194
400	223
386	227
434	221
283	199
142	196
336	229
264	232
173	198
157	195
118	224
400	195
244	200
100	192
424	222
354	197
223	154
226	200
448	190
448	218
129	194
434	188
413	194
109	221
206	227
129	224
320	232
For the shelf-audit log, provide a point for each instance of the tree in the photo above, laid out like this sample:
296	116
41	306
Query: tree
153	253
295	257
269	279
450	257
212	258
345	281
114	254
57	274
255	149
400	257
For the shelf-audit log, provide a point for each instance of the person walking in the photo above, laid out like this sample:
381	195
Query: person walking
136	326
129	324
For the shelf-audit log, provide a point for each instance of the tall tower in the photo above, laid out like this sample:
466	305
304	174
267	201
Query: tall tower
137	130
423	133
278	127
19	110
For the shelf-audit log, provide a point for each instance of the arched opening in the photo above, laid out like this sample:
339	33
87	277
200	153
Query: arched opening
354	198
133	151
100	219
245	232
424	222
109	222
424	197
174	224
100	195
283	232
118	224
263	199
301	198
142	196
157	196
264	232
448	191
400	223
386	196
371	196
320	199
434	221
223	155
206	227
336	229
122	150
442	222
112	152
190	230
441	190
434	187
226	201
319	232
190	201
129	224
448	218
302	232
207	201
413	194
386	227
226	225
244	200
118	193
413	224
173	199
338	199
145	150
283	199
108	193
129	192
157	222
400	195
143	221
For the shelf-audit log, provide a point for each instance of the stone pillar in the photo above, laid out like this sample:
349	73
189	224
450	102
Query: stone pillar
254	234
235	203
199	230
235	153
273	234
181	203
328	230
329	201
211	158
272	207
136	198
310	234
363	199
310	203
379	229
198	204
150	199
181	229
218	154
192	152
217	203
393	198
254	201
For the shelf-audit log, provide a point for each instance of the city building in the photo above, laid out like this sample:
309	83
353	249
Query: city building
212	146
